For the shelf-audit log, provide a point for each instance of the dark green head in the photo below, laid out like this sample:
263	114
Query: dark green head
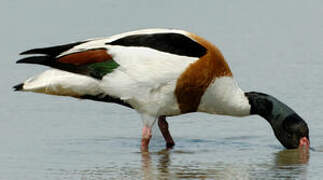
289	128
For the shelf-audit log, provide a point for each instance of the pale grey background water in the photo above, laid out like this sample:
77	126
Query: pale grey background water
273	46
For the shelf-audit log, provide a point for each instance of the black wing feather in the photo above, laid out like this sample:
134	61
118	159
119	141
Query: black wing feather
51	62
52	51
167	42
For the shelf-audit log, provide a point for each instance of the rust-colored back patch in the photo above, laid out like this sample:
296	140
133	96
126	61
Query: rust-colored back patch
86	57
192	84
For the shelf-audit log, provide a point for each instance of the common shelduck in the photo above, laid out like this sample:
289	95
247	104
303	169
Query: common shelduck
158	73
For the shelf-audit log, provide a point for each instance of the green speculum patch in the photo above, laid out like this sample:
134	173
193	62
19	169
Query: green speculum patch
98	70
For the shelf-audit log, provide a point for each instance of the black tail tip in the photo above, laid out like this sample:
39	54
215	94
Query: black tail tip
18	87
27	60
43	60
24	53
19	61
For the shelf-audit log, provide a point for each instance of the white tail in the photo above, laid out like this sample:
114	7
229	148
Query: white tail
61	83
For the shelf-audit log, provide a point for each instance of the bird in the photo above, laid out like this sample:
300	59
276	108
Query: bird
159	73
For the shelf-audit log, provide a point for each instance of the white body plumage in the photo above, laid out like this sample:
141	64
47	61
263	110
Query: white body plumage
157	72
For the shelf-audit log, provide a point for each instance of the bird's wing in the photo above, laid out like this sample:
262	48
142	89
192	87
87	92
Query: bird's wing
93	61
146	50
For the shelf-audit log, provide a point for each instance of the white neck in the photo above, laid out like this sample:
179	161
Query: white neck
223	96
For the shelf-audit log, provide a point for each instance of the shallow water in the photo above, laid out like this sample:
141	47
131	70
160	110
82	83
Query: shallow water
279	53
101	147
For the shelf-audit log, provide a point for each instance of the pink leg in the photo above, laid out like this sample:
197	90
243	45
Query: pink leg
163	126
146	135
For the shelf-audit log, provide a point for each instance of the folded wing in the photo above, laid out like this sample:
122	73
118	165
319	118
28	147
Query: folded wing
94	62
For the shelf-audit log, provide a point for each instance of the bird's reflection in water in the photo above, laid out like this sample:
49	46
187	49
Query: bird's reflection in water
164	162
286	164
163	169
146	165
174	164
162	165
291	164
292	157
